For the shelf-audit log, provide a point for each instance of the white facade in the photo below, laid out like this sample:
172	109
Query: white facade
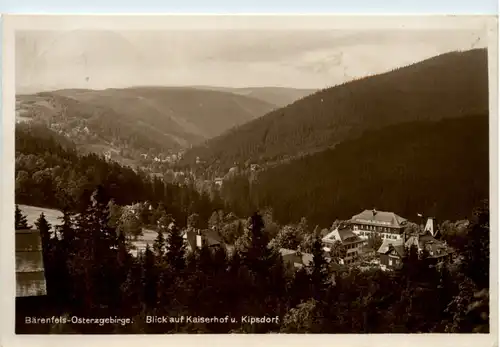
364	234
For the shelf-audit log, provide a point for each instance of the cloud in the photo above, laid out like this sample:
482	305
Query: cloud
303	59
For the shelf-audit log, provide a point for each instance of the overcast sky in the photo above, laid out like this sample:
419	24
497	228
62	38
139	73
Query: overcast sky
48	60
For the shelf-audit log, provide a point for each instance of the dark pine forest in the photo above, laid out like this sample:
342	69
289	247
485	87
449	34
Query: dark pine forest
437	168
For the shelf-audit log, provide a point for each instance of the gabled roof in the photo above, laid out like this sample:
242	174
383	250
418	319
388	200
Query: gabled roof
30	272
212	237
342	234
419	240
381	218
397	245
285	252
298	259
426	241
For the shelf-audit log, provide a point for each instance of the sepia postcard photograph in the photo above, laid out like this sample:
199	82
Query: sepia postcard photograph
251	175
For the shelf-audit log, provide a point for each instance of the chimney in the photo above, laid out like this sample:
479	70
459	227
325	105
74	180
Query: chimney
199	241
429	227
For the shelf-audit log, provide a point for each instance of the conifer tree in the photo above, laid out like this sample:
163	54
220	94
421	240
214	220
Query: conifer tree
205	260
162	290
159	245
100	216
81	265
477	249
122	252
411	266
21	221
220	259
149	279
44	228
115	213
130	290
176	250
303	227
258	241
277	283
47	253
319	275
300	288
64	253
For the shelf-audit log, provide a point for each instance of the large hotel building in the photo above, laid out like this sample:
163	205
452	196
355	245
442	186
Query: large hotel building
388	225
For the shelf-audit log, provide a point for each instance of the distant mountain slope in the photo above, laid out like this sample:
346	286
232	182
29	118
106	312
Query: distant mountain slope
141	118
278	96
446	86
438	168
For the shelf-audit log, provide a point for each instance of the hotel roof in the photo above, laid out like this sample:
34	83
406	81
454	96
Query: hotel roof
380	218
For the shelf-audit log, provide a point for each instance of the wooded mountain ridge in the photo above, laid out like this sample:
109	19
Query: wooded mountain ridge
140	119
447	86
279	96
437	168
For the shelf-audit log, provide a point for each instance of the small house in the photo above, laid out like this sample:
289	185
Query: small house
296	259
391	253
352	244
437	251
196	238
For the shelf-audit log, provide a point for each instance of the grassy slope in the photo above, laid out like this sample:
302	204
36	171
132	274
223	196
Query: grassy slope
32	213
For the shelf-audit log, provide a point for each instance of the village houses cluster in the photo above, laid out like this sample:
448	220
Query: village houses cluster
352	238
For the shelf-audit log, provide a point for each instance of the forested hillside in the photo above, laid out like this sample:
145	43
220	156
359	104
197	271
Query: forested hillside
142	119
49	174
448	86
438	168
274	95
